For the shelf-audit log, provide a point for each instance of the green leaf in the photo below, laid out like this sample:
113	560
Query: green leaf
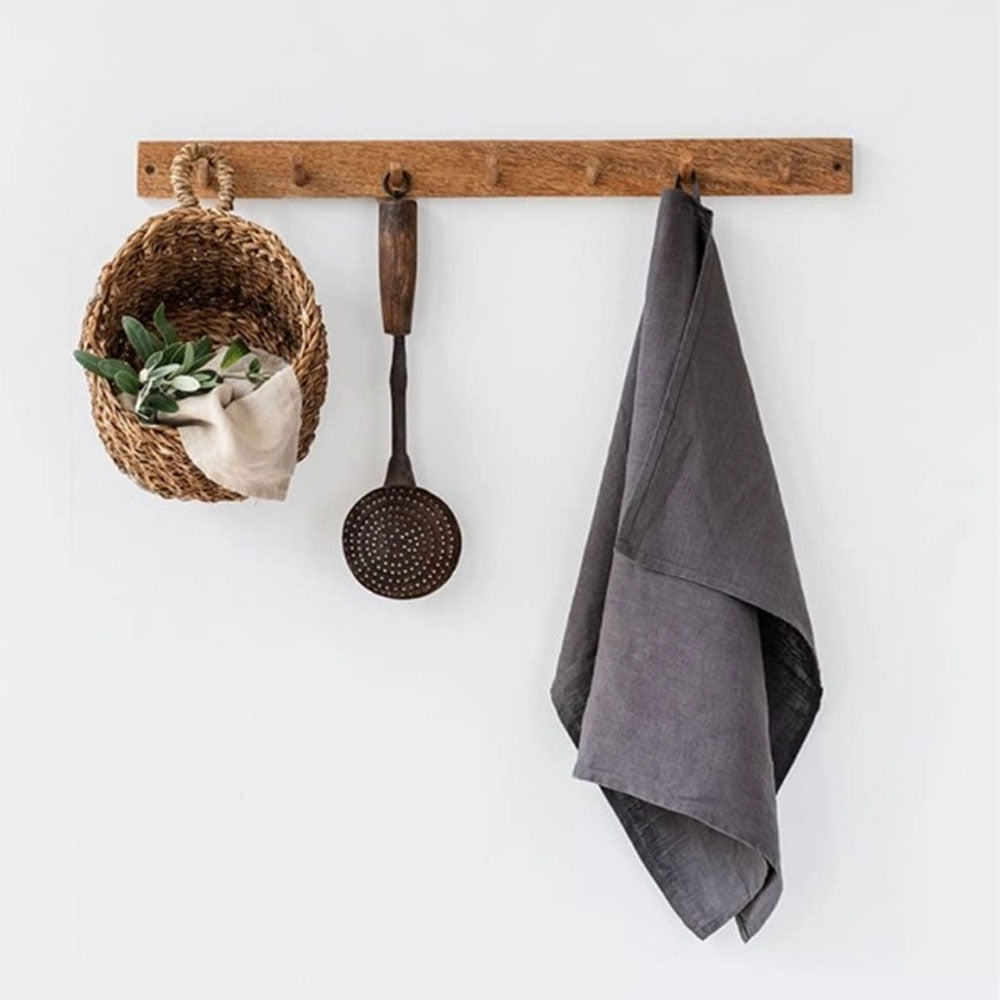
173	353
161	403
128	382
160	322
110	367
254	371
164	371
154	359
188	360
143	342
236	350
185	383
203	350
89	361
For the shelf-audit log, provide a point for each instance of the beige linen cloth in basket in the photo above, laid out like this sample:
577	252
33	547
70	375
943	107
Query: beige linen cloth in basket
243	438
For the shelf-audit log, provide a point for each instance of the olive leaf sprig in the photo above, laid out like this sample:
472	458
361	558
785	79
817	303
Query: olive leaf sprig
172	369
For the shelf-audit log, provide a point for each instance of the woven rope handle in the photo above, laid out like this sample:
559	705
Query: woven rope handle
182	168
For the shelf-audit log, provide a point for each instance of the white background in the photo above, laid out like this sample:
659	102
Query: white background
228	771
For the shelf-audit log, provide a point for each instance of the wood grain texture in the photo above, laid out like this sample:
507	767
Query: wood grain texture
493	168
397	262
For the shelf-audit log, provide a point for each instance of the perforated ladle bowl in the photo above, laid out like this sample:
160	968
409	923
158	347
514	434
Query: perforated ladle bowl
400	540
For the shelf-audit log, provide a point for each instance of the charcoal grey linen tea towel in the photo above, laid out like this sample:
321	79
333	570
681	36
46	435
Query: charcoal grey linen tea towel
688	677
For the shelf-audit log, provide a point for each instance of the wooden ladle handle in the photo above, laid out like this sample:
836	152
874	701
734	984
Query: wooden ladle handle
397	262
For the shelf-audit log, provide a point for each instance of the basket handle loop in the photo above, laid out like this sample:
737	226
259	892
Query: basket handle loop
182	168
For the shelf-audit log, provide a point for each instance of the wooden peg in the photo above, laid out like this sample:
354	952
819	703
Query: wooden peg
203	174
492	170
397	176
686	170
785	169
592	170
300	176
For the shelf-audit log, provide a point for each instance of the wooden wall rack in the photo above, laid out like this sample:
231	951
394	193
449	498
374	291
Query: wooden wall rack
514	168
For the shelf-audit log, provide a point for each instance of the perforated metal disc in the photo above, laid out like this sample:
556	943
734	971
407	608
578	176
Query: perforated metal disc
401	541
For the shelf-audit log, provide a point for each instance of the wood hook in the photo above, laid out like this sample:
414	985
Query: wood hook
592	170
203	173
397	182
300	176
396	178
492	170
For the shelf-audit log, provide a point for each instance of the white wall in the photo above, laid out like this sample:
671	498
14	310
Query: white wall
228	771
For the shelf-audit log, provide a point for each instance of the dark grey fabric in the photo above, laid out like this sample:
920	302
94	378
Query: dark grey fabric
688	677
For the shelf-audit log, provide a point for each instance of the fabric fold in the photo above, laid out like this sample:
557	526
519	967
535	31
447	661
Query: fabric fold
243	437
688	677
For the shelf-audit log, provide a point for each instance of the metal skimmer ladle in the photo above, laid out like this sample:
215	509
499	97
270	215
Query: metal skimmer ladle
400	540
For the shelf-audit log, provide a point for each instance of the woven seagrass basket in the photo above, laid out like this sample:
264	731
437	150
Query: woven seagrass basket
218	275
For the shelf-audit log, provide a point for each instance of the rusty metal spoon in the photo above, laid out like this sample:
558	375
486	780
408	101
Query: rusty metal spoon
400	540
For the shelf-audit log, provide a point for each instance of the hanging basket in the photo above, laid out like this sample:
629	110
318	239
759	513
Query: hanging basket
218	275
